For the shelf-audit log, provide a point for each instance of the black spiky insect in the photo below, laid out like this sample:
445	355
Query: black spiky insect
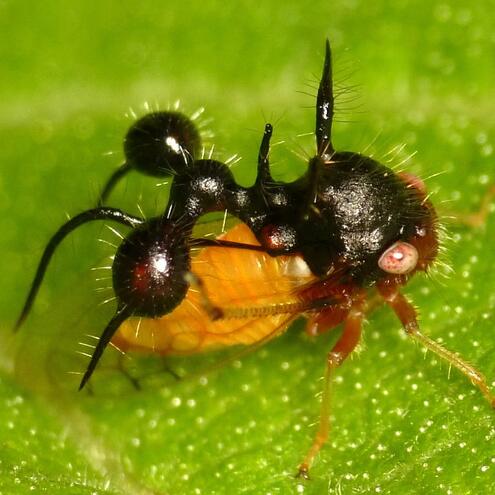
314	247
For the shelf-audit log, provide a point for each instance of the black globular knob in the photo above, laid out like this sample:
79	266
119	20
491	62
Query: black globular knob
161	144
206	187
149	268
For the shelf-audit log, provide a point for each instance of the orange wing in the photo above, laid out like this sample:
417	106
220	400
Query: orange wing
231	278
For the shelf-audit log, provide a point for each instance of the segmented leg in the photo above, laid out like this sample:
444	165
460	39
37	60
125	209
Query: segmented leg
407	315
478	218
125	372
136	381
326	320
345	345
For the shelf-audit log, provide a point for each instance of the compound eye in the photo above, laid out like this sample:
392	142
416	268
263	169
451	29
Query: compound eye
399	259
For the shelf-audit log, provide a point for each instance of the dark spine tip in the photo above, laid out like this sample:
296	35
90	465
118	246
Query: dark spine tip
265	143
324	106
113	325
19	322
263	165
83	381
326	74
328	57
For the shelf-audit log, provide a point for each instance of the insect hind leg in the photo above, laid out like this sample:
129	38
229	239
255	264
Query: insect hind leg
344	346
137	381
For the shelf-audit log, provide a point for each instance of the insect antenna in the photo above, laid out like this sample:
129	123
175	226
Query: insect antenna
87	216
324	107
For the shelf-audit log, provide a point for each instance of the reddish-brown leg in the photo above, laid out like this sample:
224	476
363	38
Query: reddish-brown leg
478	218
344	346
326	319
407	315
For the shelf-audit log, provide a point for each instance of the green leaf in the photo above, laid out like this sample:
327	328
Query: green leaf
401	421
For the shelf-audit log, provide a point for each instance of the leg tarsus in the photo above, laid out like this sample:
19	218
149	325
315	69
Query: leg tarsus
475	376
303	472
407	315
132	380
478	219
340	351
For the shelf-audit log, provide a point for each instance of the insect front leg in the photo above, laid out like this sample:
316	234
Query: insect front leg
407	315
326	319
344	346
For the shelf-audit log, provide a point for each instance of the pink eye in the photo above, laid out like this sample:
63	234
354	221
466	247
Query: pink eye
400	258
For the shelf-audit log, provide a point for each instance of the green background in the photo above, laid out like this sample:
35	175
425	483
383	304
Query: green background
420	73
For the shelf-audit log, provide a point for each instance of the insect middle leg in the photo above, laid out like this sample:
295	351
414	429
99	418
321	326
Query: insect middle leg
346	343
407	315
136	381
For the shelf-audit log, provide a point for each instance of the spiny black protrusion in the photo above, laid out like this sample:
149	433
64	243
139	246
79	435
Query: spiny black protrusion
324	108
159	144
149	268
162	144
202	188
102	213
263	176
340	216
113	325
